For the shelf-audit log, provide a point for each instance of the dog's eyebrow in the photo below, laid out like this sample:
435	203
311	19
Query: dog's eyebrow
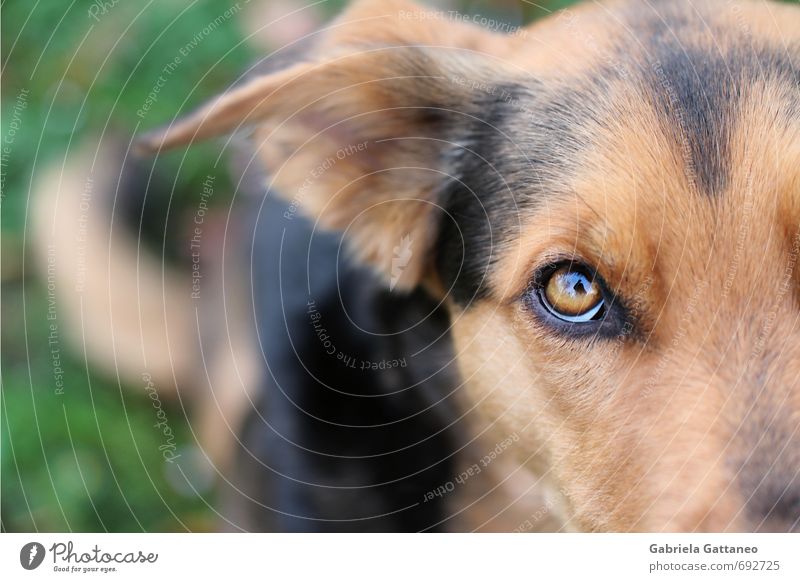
695	95
697	73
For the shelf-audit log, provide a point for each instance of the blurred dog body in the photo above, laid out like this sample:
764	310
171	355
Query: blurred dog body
128	308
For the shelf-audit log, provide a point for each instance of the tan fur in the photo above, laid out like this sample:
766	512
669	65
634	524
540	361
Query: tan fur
383	195
636	449
633	433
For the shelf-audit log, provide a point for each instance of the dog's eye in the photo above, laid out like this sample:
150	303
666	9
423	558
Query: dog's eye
571	294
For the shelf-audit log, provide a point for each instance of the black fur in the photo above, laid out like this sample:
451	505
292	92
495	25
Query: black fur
521	145
334	447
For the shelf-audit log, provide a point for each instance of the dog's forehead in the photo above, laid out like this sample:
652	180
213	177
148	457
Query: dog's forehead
673	113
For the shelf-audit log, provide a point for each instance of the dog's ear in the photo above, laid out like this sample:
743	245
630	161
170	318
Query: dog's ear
360	136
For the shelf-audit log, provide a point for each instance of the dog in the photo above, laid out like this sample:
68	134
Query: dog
540	279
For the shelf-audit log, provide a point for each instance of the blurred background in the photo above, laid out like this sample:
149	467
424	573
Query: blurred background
79	448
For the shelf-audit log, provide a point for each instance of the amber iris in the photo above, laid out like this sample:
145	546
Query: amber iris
571	294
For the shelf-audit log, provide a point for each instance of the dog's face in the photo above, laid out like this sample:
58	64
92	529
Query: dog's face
609	202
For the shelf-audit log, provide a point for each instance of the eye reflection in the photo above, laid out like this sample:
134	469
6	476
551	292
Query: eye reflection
571	294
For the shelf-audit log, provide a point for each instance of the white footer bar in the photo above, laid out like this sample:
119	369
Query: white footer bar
424	557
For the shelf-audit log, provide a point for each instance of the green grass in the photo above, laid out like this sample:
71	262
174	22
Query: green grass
88	460
85	460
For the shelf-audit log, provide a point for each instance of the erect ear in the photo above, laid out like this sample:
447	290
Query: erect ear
361	135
